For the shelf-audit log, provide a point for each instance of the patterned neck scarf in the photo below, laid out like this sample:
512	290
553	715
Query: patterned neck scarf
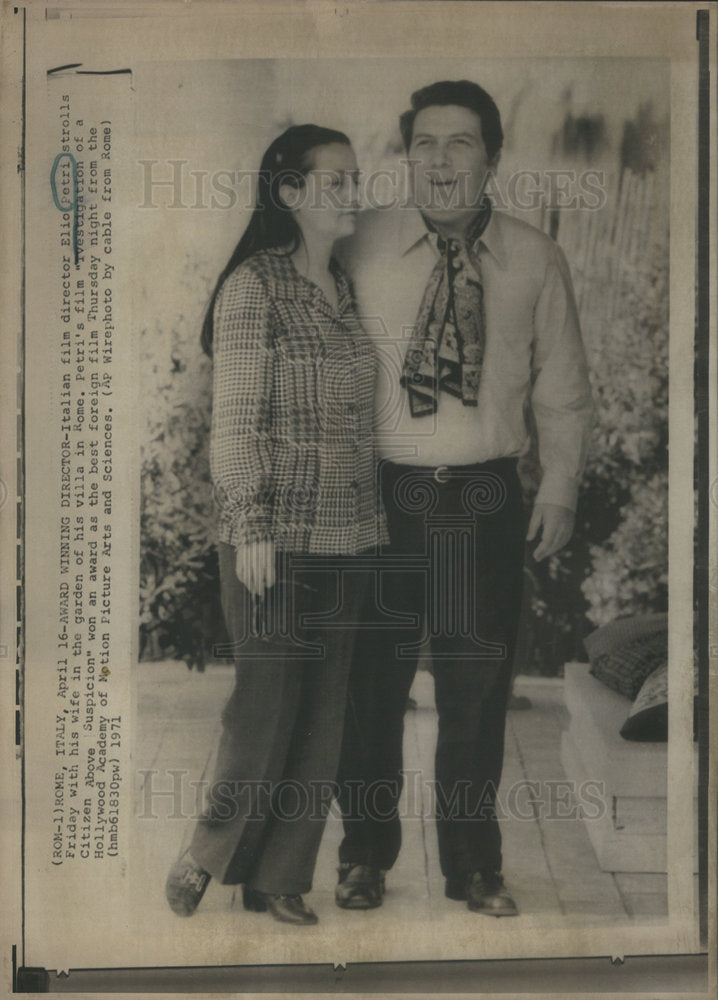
446	349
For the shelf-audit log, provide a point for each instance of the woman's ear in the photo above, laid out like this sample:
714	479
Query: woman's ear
289	195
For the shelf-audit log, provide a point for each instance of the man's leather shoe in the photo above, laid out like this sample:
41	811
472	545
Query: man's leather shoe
455	888
290	909
185	885
486	893
360	887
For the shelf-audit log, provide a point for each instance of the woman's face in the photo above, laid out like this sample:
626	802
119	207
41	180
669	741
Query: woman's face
327	205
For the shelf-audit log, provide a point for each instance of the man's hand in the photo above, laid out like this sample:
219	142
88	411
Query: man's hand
556	525
255	566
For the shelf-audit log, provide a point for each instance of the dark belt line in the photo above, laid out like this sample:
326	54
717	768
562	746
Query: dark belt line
445	473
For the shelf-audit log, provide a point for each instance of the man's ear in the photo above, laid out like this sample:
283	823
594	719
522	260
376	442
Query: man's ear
494	161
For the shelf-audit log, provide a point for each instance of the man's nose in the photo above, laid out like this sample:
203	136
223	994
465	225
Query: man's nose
440	155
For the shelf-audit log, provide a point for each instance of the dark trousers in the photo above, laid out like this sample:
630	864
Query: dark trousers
282	726
454	571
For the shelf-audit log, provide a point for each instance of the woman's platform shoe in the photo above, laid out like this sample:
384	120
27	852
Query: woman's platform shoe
288	909
186	884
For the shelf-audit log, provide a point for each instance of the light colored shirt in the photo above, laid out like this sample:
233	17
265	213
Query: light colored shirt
534	355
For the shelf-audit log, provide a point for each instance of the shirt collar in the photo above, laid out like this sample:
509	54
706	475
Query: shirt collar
413	230
288	283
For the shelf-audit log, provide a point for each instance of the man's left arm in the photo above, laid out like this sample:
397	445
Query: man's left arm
562	407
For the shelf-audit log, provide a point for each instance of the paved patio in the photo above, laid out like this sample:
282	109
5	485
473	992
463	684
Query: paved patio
550	865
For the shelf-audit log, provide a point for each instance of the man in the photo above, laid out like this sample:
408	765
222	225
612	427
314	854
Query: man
473	315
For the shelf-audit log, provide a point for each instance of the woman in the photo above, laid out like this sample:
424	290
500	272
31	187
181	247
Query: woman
293	467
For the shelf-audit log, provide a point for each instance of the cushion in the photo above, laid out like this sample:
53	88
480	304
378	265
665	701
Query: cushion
624	652
648	718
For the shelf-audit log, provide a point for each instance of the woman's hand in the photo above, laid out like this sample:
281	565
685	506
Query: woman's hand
255	566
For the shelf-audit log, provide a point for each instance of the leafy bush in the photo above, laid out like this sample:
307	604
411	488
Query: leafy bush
628	569
179	600
629	572
616	562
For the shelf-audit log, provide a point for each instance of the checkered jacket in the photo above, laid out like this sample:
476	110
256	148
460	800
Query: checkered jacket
292	445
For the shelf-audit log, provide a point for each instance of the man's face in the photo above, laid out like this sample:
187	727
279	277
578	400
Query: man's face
449	166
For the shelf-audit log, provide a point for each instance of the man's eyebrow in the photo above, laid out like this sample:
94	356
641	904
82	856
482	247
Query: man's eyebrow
452	135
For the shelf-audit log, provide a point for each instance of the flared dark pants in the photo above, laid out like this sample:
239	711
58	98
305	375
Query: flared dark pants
282	726
454	571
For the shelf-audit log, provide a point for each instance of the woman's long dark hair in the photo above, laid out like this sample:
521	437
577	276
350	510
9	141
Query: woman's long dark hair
287	161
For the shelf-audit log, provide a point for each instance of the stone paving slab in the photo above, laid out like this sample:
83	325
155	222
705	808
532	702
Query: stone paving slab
549	865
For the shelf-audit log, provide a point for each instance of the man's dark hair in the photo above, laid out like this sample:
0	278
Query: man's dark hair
465	94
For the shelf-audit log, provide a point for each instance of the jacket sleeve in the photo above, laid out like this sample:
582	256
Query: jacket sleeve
561	396
240	442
